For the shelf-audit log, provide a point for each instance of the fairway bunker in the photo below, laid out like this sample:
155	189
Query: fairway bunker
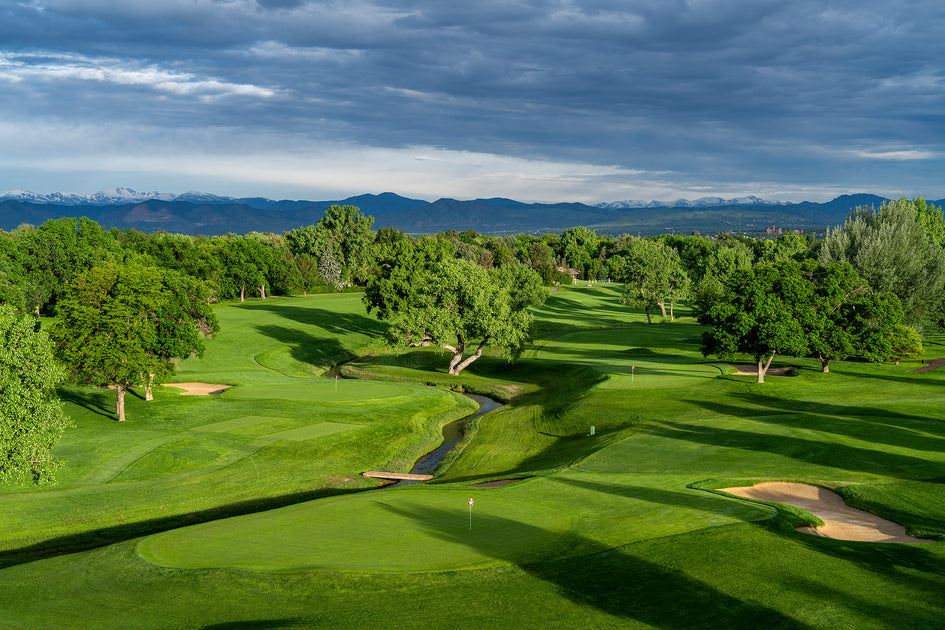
745	369
841	521
199	389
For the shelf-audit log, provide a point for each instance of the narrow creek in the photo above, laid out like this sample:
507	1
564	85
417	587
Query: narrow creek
452	434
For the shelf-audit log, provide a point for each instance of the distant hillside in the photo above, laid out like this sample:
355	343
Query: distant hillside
198	213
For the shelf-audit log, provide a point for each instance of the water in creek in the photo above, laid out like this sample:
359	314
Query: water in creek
452	434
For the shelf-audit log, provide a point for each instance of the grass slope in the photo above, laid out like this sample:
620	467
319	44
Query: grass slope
618	529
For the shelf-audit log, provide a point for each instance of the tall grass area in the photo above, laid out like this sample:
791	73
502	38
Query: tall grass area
615	527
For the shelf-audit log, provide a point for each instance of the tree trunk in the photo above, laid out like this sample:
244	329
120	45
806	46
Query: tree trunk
672	305
824	365
662	306
148	393
457	353
242	294
120	404
462	366
763	367
262	292
646	309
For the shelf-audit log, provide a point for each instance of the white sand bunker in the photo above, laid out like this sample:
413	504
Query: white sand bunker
746	369
840	520
199	389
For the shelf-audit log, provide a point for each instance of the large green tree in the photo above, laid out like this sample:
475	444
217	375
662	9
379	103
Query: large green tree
654	276
845	317
762	312
124	325
345	233
895	249
432	299
31	415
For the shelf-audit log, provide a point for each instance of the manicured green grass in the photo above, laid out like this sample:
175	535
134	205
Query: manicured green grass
619	529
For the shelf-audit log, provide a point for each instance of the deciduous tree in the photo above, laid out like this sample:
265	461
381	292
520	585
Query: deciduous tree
123	325
31	415
432	299
761	313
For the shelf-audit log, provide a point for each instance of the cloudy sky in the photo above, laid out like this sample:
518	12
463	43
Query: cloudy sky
539	100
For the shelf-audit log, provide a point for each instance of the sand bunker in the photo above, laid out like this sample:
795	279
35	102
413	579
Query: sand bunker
746	369
840	520
199	389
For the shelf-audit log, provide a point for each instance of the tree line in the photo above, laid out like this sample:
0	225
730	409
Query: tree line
129	304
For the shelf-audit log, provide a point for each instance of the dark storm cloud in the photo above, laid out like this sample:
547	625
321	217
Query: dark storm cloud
715	91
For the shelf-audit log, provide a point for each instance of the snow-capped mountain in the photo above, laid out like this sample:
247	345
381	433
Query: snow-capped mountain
702	202
108	198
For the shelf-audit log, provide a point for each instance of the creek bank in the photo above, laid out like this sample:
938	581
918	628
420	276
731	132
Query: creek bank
452	434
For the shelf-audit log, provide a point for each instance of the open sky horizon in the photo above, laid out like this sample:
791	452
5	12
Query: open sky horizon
535	100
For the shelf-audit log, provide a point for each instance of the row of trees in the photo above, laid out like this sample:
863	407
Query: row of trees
805	308
130	305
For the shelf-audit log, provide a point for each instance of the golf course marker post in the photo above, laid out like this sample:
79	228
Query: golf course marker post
470	513
632	368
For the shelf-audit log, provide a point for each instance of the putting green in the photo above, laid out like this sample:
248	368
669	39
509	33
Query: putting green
393	530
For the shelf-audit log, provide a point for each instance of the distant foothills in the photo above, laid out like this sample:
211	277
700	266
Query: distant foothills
201	213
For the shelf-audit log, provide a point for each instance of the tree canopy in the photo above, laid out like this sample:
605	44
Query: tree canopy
31	415
896	249
432	298
123	325
654	275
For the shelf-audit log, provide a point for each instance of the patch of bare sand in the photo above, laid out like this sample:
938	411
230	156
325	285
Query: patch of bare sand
746	369
199	389
840	520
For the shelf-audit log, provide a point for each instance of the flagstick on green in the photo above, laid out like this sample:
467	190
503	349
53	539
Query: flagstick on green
470	513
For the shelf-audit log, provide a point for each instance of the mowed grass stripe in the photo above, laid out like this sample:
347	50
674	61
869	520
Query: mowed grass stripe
427	530
236	423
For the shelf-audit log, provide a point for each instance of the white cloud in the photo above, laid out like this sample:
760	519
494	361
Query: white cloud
898	156
65	67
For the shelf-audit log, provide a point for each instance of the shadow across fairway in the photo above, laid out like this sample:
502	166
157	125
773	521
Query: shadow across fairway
97	401
106	536
822	453
306	348
615	581
330	321
865	423
694	499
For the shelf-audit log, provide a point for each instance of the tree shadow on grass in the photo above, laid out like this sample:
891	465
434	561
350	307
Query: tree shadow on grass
822	453
96	401
94	539
306	348
613	581
915	565
866	423
329	321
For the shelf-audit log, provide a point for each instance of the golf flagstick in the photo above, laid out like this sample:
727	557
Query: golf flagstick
470	513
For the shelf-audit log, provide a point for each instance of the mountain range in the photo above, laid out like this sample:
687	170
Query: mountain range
202	213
